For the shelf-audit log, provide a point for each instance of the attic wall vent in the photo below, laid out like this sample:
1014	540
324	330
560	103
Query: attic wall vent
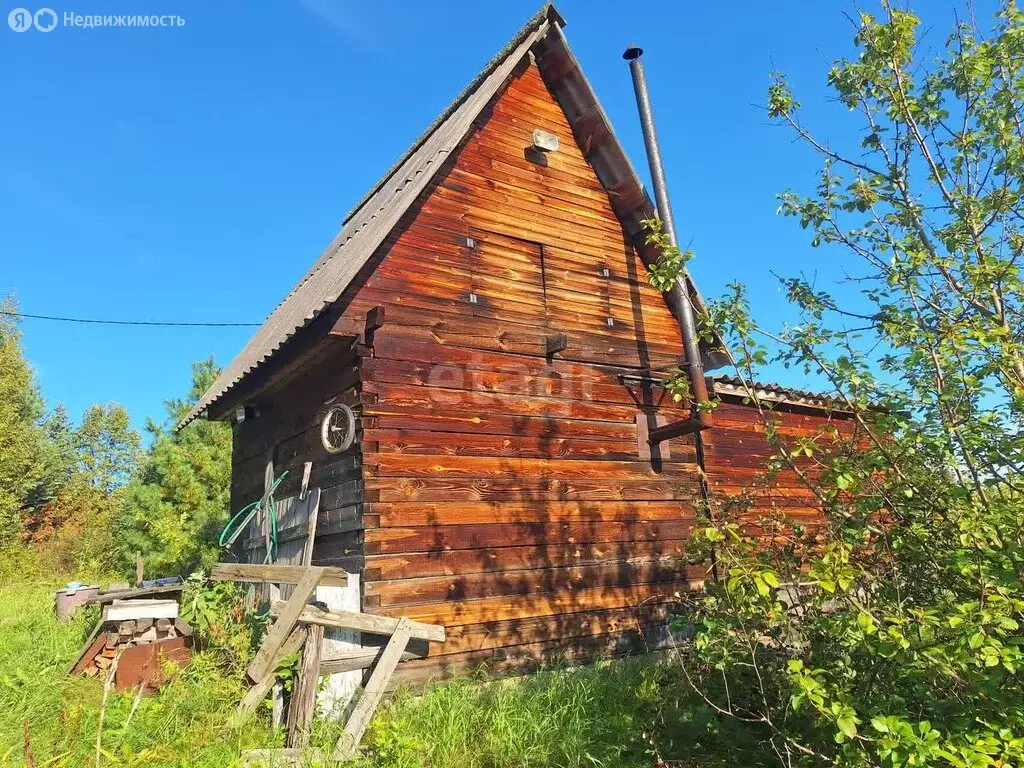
544	141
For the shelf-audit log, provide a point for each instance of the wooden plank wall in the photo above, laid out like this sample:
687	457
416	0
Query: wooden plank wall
494	489
289	424
737	453
506	497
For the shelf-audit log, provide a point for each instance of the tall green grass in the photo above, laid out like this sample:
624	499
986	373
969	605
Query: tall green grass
624	714
50	719
621	714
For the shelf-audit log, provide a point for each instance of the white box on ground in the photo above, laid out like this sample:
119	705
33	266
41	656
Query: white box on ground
122	610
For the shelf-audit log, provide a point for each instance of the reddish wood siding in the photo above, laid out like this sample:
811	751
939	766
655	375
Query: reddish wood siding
506	497
493	489
737	453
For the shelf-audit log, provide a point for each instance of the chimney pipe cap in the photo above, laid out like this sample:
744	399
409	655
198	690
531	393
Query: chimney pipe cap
633	52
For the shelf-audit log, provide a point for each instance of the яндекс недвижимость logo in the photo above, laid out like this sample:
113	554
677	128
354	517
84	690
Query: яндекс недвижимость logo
22	19
46	20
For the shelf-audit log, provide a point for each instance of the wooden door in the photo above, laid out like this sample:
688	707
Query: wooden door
508	278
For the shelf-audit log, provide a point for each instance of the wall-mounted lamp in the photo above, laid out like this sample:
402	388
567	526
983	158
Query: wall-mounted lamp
544	141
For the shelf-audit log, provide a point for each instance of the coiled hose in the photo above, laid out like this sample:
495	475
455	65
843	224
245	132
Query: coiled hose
241	520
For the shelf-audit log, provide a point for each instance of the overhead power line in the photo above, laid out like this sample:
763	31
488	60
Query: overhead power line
90	321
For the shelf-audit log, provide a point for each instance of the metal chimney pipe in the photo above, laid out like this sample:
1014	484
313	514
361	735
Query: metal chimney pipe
680	294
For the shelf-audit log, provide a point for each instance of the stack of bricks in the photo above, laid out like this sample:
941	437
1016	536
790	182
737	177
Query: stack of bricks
119	635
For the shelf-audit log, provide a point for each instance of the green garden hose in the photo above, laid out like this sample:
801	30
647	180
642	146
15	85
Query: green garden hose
241	520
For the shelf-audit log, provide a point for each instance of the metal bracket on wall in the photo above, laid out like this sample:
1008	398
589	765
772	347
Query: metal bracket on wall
679	428
698	422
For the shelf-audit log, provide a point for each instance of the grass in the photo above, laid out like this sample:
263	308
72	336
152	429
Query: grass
50	719
623	714
634	713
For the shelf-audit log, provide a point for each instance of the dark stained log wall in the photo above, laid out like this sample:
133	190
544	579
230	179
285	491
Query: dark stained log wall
505	495
288	424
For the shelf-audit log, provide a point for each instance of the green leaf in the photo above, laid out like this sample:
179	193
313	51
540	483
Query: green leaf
762	588
866	623
848	725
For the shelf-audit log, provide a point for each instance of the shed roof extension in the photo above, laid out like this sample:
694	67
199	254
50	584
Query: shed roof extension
737	387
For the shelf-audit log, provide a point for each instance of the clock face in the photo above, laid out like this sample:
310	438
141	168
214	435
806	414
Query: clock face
338	429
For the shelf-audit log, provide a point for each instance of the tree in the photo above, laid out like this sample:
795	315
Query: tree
106	447
893	636
43	515
21	436
88	468
177	504
60	456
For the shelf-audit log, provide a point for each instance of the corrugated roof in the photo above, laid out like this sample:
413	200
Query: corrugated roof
375	216
734	385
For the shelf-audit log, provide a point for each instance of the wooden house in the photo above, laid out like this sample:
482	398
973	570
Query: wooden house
484	319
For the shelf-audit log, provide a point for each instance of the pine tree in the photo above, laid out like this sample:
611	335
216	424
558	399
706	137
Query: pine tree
176	506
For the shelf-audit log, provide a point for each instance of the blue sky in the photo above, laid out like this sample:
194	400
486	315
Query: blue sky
193	173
